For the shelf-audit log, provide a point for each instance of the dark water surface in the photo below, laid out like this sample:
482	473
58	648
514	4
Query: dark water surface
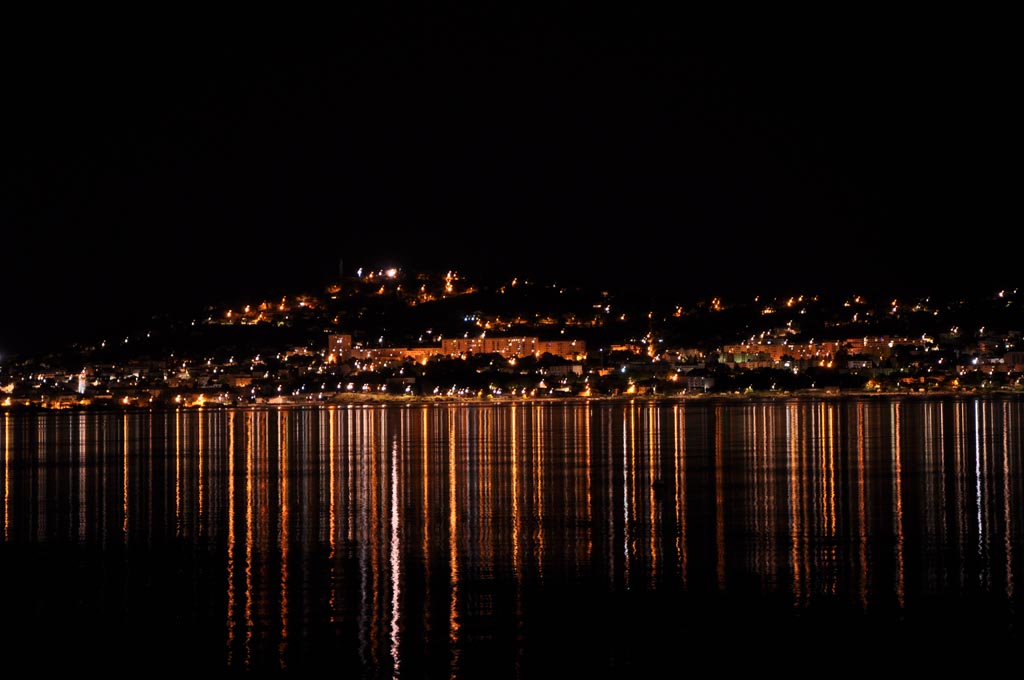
517	540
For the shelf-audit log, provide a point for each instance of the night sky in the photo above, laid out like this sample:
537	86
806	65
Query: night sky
159	172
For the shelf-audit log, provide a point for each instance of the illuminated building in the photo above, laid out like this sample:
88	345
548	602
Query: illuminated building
510	347
340	348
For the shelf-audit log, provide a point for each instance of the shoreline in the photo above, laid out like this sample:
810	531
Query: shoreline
368	400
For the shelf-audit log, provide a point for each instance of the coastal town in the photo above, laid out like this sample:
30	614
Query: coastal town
393	334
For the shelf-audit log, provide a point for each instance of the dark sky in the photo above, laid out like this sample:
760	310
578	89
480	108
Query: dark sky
157	172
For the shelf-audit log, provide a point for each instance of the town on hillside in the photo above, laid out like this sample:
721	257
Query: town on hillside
391	333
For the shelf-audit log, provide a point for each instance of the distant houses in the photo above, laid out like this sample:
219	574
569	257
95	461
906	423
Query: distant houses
340	347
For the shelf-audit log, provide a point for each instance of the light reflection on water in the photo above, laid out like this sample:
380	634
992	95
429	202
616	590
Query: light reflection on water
479	539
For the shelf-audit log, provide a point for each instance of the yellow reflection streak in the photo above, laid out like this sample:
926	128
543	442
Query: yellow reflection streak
821	426
898	491
7	475
231	535
679	436
396	561
202	456
516	517
517	567
453	553
282	420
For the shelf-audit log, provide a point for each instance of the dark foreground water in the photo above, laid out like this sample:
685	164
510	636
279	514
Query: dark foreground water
517	540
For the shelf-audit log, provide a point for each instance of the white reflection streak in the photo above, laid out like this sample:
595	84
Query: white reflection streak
977	484
897	458
82	478
395	561
625	501
41	480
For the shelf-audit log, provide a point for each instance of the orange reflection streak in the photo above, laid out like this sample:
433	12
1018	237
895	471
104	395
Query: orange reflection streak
124	473
251	433
516	516
862	516
540	450
679	437
830	476
795	529
609	493
482	485
83	488
898	492
202	456
775	501
332	513
1007	514
425	483
7	475
754	423
719	501
587	463
282	425
41	481
653	519
831	471
177	473
231	536
453	552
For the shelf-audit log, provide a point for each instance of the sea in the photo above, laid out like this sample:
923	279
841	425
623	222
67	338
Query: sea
518	539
